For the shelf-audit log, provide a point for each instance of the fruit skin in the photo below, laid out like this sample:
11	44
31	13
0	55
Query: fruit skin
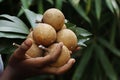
44	34
34	51
54	17
64	27
64	56
68	38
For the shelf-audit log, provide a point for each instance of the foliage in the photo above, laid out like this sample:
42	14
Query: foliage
99	56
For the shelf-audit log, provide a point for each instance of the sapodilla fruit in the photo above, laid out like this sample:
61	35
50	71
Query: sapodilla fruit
34	51
64	27
44	34
68	38
54	17
64	56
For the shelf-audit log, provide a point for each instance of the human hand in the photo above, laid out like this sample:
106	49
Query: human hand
21	66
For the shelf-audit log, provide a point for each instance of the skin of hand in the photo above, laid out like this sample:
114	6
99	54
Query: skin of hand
20	66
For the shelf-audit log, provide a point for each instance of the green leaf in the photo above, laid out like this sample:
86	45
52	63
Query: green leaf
83	63
116	7
109	4
59	4
32	17
81	42
105	63
40	7
98	8
51	2
15	22
114	50
78	30
80	11
12	35
8	26
75	2
88	6
1	1
25	4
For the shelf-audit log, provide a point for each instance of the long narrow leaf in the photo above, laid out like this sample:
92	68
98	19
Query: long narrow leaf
32	17
98	8
40	7
25	4
105	63
111	48
59	4
80	11
116	7
109	4
82	64
88	6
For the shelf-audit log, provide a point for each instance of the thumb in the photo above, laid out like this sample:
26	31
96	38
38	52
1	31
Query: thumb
21	50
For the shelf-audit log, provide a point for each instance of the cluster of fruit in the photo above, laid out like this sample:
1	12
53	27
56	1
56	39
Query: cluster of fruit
50	31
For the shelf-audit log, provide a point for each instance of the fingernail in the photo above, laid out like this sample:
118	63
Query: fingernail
73	60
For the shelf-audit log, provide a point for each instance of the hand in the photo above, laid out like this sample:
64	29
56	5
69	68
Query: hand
21	66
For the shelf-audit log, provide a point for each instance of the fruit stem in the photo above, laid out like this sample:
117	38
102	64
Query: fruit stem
15	44
44	48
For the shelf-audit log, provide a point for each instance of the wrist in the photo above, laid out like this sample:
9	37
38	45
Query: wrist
10	74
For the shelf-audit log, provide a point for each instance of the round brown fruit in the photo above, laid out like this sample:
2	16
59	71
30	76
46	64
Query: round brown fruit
64	56
34	51
68	38
44	34
54	17
64	27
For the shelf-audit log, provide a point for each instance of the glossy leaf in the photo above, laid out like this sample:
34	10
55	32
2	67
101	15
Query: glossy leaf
8	26
12	35
78	30
16	23
116	7
82	64
81	42
98	7
32	17
105	63
109	4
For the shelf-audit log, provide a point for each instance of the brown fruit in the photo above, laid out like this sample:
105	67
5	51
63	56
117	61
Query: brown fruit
64	27
68	37
34	51
44	34
63	58
54	17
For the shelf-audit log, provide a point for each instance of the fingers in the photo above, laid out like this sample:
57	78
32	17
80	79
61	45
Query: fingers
60	70
50	58
20	51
